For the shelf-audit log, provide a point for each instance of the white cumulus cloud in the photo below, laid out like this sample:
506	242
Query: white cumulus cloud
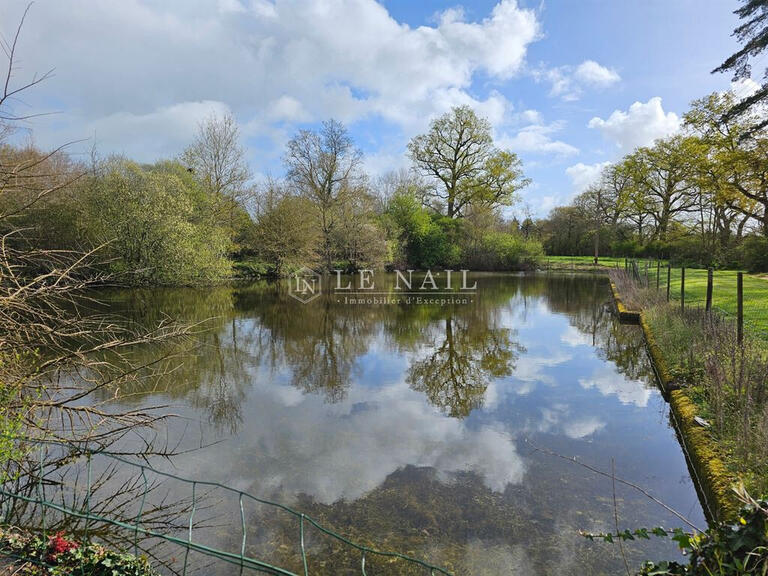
591	73
643	123
268	61
584	175
537	138
569	82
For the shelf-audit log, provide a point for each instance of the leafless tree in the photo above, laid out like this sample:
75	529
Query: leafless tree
217	159
323	166
65	363
10	91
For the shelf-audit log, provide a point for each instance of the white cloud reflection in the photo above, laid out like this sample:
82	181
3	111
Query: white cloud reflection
344	450
609	382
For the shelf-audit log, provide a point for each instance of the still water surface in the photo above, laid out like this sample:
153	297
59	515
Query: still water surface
415	427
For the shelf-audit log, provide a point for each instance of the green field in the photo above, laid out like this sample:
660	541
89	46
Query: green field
723	286
724	294
580	262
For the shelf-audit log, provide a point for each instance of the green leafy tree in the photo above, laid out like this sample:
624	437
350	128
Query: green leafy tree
425	238
285	233
155	226
664	174
464	167
723	207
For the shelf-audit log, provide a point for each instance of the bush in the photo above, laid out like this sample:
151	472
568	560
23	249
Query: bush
502	251
723	550
58	555
252	268
157	225
629	248
755	251
425	239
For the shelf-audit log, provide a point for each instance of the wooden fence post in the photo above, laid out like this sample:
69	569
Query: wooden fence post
740	306
658	274
682	289
669	279
709	289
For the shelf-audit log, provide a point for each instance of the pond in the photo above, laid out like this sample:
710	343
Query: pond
427	429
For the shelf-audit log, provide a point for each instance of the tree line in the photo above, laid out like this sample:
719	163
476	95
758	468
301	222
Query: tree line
200	216
699	196
445	211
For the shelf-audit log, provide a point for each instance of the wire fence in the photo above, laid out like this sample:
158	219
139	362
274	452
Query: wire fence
106	497
736	295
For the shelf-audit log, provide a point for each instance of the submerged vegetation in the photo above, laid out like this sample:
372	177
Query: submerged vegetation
69	370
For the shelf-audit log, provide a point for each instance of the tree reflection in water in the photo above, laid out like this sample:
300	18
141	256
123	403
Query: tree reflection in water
466	354
378	419
453	351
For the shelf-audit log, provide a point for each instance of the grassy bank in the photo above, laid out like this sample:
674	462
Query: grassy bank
717	389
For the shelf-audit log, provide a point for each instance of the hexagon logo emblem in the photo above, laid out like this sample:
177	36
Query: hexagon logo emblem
305	285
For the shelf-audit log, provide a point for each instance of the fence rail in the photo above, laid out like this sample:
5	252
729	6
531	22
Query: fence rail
33	487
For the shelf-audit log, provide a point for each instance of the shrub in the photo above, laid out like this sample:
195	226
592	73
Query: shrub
755	251
629	248
425	239
157	225
723	550
251	268
58	555
502	251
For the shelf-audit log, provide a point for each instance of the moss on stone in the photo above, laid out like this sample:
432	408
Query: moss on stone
704	454
702	450
625	315
706	457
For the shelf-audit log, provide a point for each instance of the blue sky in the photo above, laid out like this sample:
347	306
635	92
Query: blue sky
567	85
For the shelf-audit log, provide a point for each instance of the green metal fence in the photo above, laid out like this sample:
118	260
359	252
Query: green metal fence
45	478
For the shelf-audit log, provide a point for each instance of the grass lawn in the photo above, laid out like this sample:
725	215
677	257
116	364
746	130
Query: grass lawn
581	262
724	294
723	287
